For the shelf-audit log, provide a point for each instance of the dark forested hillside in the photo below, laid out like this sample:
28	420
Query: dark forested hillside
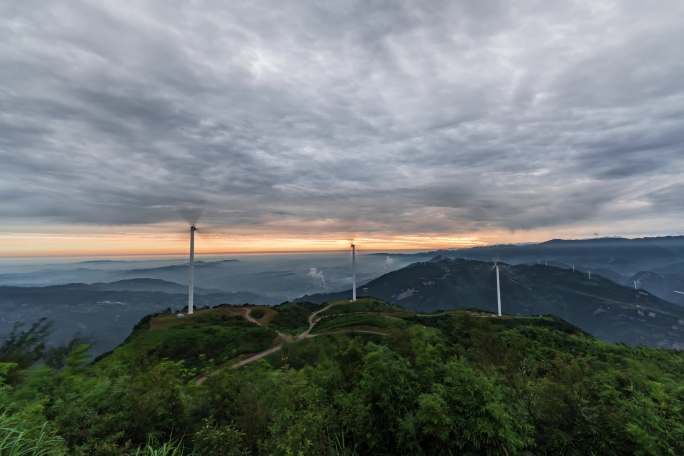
103	313
343	379
597	305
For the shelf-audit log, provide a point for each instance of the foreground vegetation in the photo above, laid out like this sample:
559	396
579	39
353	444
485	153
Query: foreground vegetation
455	383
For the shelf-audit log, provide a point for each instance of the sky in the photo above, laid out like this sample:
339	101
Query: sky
298	125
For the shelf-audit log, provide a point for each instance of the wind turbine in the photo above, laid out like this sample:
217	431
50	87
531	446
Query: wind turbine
191	272
353	249
498	287
637	284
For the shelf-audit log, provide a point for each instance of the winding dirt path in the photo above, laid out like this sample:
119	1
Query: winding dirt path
287	338
247	314
257	357
313	320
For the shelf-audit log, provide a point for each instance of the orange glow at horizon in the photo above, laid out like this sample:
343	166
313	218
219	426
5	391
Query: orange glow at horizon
16	245
155	241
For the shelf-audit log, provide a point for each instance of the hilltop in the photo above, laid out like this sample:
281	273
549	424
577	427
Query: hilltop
352	378
599	306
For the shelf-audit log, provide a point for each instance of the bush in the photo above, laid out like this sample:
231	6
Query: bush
213	440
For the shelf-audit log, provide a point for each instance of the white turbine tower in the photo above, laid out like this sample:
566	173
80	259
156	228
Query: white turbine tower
191	272
637	284
498	288
353	248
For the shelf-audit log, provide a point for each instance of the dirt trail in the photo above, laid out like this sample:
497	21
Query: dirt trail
313	320
256	357
247	314
348	331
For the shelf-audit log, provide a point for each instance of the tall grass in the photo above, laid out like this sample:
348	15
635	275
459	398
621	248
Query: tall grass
15	441
152	449
35	442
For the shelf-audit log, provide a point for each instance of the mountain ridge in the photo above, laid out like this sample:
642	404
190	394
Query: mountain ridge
599	306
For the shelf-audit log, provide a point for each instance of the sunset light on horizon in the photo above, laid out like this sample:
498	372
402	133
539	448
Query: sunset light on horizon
214	242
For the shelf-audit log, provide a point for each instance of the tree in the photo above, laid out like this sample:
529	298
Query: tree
219	440
466	413
25	346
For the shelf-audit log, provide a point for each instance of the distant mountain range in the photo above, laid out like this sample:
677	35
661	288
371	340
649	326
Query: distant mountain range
279	281
163	286
622	255
183	268
599	306
88	272
657	262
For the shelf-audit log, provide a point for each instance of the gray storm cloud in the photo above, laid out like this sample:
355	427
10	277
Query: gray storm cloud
396	117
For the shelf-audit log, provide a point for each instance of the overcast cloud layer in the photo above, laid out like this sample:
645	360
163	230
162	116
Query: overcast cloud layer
360	116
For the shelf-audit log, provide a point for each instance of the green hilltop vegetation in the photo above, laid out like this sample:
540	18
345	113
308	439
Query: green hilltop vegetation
341	378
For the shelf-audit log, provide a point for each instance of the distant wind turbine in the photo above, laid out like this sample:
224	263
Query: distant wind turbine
191	272
498	288
353	248
637	284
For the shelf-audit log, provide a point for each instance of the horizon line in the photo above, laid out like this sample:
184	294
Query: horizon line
313	251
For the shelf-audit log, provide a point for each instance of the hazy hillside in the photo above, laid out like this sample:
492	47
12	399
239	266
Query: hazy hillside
347	379
625	256
103	313
149	285
661	284
619	259
603	308
108	271
281	277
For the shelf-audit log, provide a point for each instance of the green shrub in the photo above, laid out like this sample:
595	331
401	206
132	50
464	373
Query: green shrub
214	440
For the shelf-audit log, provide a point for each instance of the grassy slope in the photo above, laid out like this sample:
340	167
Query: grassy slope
211	336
